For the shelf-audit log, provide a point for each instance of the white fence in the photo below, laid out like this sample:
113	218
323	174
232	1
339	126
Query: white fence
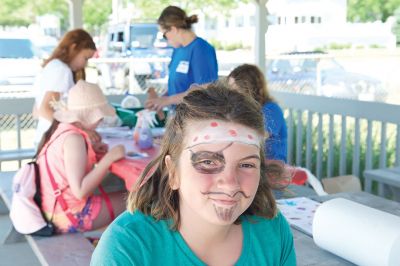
337	136
326	135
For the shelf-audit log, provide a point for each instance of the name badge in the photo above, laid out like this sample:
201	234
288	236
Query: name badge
183	67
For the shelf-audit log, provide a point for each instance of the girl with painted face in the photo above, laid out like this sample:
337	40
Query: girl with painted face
205	200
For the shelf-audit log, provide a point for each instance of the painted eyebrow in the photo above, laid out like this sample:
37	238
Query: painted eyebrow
254	156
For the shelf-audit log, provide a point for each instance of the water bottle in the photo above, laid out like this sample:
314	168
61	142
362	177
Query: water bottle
145	140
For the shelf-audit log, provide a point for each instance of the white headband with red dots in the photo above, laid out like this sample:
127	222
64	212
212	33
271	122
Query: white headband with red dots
227	132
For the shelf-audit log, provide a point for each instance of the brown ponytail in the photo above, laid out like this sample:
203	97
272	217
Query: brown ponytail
46	136
192	20
173	16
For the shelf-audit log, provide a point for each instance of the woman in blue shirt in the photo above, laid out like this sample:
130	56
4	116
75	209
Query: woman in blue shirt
206	199
193	61
249	79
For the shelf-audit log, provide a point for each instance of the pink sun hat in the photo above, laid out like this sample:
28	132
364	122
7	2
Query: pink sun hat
86	104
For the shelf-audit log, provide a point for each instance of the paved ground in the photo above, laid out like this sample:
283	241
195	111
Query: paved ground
19	254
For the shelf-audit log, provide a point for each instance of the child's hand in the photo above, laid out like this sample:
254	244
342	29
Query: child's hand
116	153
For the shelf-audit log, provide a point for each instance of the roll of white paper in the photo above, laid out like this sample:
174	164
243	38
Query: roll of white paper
357	233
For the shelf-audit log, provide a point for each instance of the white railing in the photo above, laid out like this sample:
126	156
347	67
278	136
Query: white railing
17	128
320	127
326	135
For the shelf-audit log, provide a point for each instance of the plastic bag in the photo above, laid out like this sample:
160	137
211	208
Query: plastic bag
142	132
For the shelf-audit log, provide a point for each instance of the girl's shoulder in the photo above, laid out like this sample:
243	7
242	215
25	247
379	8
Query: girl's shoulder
68	132
136	225
56	68
56	63
272	106
200	43
258	222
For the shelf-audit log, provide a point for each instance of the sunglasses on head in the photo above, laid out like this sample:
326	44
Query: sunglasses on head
165	34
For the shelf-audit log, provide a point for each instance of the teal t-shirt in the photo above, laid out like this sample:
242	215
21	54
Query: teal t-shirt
137	239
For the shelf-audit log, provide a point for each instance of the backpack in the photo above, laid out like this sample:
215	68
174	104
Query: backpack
26	213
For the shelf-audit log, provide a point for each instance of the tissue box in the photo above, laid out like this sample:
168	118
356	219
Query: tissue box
347	183
129	118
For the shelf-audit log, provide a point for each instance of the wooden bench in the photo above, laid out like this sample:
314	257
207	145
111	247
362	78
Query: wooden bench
64	249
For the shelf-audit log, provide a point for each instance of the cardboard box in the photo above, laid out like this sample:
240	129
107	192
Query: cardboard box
346	183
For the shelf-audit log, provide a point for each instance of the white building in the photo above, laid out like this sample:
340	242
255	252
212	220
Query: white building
287	12
296	25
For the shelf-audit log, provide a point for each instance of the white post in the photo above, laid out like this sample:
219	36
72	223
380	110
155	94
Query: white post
318	77
115	11
75	14
261	29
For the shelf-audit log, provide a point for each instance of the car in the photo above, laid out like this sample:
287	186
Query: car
319	74
19	62
137	40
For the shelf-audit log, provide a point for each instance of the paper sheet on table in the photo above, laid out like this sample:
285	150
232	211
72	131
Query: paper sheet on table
299	212
115	132
137	155
360	234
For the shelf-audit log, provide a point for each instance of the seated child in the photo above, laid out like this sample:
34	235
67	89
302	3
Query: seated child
67	154
249	79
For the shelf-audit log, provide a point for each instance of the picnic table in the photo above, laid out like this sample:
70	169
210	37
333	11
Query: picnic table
136	159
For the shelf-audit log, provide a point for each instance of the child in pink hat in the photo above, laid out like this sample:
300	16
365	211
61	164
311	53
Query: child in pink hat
67	154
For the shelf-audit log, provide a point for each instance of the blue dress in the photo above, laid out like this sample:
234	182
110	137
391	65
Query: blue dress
275	125
193	63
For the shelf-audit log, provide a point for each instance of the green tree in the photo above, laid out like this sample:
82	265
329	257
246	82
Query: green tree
370	10
96	14
9	9
396	26
24	12
152	9
54	7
